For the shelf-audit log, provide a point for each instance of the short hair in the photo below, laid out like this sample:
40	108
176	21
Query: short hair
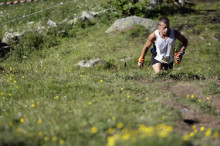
164	20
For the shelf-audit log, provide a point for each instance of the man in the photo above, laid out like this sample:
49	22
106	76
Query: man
163	51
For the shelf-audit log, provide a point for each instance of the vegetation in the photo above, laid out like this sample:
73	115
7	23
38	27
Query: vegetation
47	100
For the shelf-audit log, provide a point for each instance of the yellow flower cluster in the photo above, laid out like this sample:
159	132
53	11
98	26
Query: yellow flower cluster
161	130
207	133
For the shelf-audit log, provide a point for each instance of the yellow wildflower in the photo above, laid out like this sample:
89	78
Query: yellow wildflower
10	69
22	120
208	132
147	98
90	103
202	129
194	127
187	96
126	136
101	81
9	94
61	141
111	141
216	135
192	96
199	100
40	133
163	134
113	118
22	77
120	125
191	134
46	138
57	97
122	89
72	101
163	117
128	96
94	130
33	105
11	124
53	138
15	81
185	137
19	129
207	98
39	121
111	130
2	93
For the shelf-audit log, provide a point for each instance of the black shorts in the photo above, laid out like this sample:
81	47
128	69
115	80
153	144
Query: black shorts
154	61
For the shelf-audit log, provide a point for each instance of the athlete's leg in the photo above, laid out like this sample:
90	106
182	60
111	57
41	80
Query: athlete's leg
157	67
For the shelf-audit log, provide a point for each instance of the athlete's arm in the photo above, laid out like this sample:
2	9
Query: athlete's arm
147	45
182	39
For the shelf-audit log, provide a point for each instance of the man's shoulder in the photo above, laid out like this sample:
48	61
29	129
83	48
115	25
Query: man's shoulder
152	35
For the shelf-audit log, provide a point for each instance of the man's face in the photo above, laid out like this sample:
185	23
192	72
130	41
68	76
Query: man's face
163	28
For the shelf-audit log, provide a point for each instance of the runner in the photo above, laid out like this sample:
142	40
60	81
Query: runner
163	40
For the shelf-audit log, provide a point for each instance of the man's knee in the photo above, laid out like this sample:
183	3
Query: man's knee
157	67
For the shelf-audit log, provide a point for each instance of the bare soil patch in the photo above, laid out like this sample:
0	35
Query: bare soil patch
189	114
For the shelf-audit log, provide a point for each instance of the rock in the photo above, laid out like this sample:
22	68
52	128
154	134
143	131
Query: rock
8	37
61	33
214	38
188	116
88	15
183	110
90	63
202	38
129	22
51	23
40	29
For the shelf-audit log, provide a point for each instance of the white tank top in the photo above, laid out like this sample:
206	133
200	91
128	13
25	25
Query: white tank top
165	47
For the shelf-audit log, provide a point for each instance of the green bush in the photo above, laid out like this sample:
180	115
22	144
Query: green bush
130	7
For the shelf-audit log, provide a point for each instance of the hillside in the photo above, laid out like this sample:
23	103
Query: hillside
47	99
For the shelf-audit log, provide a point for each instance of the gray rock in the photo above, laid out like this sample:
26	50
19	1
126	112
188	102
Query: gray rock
8	37
214	38
88	15
50	23
61	33
41	29
202	38
90	63
129	22
183	111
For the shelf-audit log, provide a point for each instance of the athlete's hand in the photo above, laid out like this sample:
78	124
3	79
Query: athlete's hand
140	65
179	57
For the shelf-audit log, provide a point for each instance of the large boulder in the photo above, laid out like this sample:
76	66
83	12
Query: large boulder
129	22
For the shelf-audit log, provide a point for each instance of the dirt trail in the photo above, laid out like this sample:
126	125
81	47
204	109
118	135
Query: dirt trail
190	114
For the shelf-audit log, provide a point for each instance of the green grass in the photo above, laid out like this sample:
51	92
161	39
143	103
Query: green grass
47	100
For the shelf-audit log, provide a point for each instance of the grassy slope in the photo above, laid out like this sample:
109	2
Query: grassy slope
52	95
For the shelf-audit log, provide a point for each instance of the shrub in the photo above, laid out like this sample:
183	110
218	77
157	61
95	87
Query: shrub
130	7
